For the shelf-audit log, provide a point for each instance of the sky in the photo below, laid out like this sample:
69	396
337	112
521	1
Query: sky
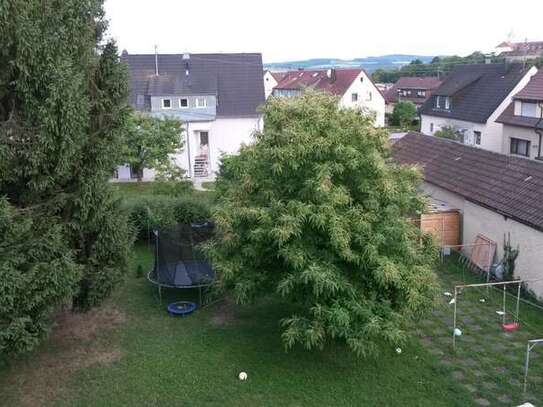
286	30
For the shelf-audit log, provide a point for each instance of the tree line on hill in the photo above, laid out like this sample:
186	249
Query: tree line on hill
438	66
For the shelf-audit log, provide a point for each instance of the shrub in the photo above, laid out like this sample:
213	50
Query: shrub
149	213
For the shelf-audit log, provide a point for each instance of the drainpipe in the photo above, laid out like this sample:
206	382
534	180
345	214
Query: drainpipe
188	148
539	132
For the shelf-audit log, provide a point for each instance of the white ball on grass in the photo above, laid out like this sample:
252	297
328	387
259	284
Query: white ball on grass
457	332
398	350
242	376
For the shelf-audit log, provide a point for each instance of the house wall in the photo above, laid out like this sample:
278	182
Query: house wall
479	220
363	86
226	135
190	113
269	83
523	133
492	137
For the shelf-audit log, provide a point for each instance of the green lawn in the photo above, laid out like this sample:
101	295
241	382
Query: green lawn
130	352
153	359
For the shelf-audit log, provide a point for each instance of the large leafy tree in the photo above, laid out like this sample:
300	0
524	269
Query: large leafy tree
315	212
63	110
150	142
404	113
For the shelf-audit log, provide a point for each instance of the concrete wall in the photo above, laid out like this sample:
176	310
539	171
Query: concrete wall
479	220
369	98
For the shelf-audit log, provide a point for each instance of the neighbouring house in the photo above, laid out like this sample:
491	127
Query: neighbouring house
520	51
353	86
271	79
471	98
216	96
496	194
523	120
412	89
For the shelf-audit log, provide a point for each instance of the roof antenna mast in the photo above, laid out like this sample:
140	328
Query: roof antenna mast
156	60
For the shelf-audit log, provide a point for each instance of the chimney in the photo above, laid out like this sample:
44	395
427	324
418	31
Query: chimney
331	74
186	58
156	60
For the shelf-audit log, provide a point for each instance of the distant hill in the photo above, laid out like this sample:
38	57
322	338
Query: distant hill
369	63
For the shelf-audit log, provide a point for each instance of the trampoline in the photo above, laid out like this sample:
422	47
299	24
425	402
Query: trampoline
179	262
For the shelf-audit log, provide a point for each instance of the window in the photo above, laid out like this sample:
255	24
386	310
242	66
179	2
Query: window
421	93
369	96
447	103
443	102
528	109
520	147
166	103
183	103
431	127
354	97
477	136
438	101
201	102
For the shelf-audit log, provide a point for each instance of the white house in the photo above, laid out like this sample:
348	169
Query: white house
354	87
522	120
497	195
271	79
519	51
470	100
216	96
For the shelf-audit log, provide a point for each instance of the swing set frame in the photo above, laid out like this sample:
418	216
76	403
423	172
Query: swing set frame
457	288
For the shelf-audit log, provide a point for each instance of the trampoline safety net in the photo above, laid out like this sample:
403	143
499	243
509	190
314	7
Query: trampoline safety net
179	262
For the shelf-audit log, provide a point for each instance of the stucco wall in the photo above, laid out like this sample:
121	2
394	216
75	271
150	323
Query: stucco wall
269	84
479	220
363	86
521	133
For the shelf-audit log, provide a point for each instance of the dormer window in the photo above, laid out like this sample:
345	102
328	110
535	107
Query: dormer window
528	109
183	103
201	102
166	103
443	102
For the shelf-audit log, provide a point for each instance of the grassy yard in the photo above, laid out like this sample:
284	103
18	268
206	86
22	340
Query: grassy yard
130	352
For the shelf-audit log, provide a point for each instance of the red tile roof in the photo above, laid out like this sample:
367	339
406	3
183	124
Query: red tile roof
318	79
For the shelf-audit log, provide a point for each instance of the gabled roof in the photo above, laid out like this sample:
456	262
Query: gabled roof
510	186
533	92
519	49
318	79
426	83
475	90
278	75
236	79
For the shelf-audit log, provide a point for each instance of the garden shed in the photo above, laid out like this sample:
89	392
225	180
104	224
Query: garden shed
443	222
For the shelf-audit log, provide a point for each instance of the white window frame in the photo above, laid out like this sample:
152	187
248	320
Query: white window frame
447	103
524	107
354	97
184	107
162	103
477	134
204	105
438	99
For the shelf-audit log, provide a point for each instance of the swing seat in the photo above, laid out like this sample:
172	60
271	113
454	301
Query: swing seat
510	327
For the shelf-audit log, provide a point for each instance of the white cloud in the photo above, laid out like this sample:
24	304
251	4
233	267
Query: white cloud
289	30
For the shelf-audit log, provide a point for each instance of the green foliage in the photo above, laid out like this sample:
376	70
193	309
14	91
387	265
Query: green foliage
315	212
139	271
449	132
510	255
149	142
37	274
154	212
63	111
404	113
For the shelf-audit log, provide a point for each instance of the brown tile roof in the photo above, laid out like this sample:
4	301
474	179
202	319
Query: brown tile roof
510	186
508	117
426	83
533	90
318	79
524	48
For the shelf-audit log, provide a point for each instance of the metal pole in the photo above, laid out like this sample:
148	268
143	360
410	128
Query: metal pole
503	316
454	321
518	303
526	364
